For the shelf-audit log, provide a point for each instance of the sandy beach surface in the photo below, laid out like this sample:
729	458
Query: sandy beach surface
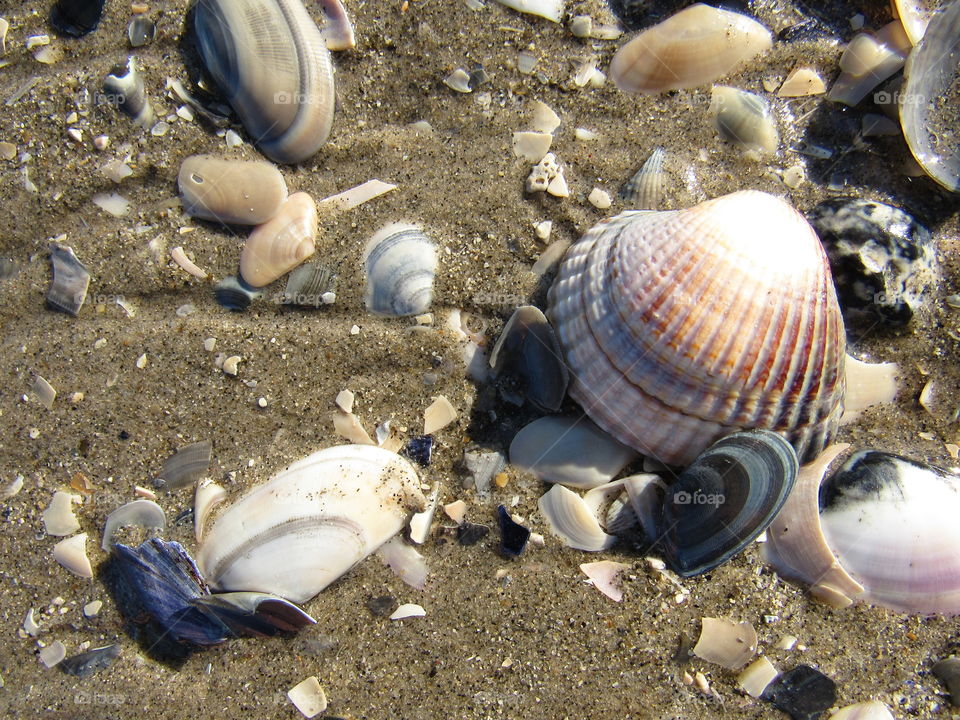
502	638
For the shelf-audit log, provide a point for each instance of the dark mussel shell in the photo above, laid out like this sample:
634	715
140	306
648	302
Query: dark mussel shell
725	499
76	17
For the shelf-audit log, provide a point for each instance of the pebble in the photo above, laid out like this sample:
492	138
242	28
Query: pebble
513	536
600	199
382	606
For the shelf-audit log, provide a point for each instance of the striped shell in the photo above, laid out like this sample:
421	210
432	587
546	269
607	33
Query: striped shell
681	327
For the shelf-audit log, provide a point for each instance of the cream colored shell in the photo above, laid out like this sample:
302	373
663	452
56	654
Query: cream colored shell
231	191
682	327
280	244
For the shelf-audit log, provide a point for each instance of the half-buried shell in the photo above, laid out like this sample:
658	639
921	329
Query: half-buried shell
280	244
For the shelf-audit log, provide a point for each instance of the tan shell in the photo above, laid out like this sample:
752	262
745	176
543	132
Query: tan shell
694	47
231	191
681	327
279	245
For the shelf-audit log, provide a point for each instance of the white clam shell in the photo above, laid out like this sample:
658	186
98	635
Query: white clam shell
681	327
571	519
282	243
694	47
311	523
400	263
243	192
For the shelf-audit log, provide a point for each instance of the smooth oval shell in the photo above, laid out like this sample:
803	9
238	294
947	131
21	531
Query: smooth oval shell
680	327
280	244
696	46
271	62
400	263
312	522
241	192
725	499
744	119
928	112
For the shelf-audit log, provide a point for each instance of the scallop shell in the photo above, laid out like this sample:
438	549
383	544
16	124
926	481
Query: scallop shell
241	192
271	62
312	522
400	262
696	46
680	327
725	499
280	244
928	112
644	190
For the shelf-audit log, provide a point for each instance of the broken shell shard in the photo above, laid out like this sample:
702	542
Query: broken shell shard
726	643
696	46
68	289
928	111
549	9
680	327
271	62
725	499
914	16
311	523
144	513
280	244
72	554
571	519
76	17
644	190
187	465
745	120
124	88
400	263
231	191
58	518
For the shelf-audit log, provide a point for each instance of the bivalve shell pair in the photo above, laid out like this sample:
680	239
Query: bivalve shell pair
681	327
271	62
312	522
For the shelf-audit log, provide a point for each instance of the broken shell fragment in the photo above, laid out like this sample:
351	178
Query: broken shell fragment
757	676
312	522
280	244
870	710
207	497
408	610
550	9
915	16
400	262
605	577
84	664
308	697
337	30
726	643
745	120
868	61
802	82
72	555
244	192
438	415
694	47
58	518
310	285
144	513
644	190
234	294
271	62
124	89
186	465
571	519
53	654
68	289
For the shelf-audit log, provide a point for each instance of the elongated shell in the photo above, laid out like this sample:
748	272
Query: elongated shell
231	191
400	262
271	62
280	244
696	46
311	523
680	327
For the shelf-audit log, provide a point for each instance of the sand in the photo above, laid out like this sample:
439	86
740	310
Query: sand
502	638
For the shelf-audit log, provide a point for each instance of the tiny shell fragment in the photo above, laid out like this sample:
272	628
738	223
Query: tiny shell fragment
71	279
44	391
72	555
345	400
112	203
600	199
870	710
802	82
347	426
549	9
207	497
144	513
53	654
181	259
358	195
605	577
92	608
456	511
58	519
438	415
756	676
726	643
308	697
545	120
187	465
408	610
531	146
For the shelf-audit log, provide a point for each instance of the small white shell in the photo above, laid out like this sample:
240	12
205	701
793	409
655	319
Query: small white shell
549	9
870	710
58	518
145	513
408	610
308	697
756	676
311	523
72	554
570	518
869	60
605	577
400	263
280	244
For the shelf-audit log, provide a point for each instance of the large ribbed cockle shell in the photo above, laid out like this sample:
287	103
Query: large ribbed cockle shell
311	523
682	327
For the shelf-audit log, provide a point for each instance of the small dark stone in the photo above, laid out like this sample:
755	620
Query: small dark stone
804	693
76	17
513	536
87	663
419	449
469	533
124	435
382	606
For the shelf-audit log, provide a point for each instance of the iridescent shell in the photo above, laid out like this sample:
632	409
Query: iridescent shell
681	327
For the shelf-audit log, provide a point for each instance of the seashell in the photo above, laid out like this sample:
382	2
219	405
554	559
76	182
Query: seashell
438	415
141	31
312	522
757	676
310	285
694	47
571	519
419	448
408	610
234	294
644	190
880	530
528	351
869	60
68	289
948	671
186	465
124	88
270	61
513	535
253	613
928	111
85	664
52	654
483	466
870	710
400	262
569	451
144	513
405	562
914	15
243	192
337	29
882	259
280	244
76	17
58	518
651	308
549	9
726	643
605	576
802	82
206	498
72	554
725	499
308	697
744	119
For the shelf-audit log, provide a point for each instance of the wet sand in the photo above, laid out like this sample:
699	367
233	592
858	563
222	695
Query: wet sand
535	643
